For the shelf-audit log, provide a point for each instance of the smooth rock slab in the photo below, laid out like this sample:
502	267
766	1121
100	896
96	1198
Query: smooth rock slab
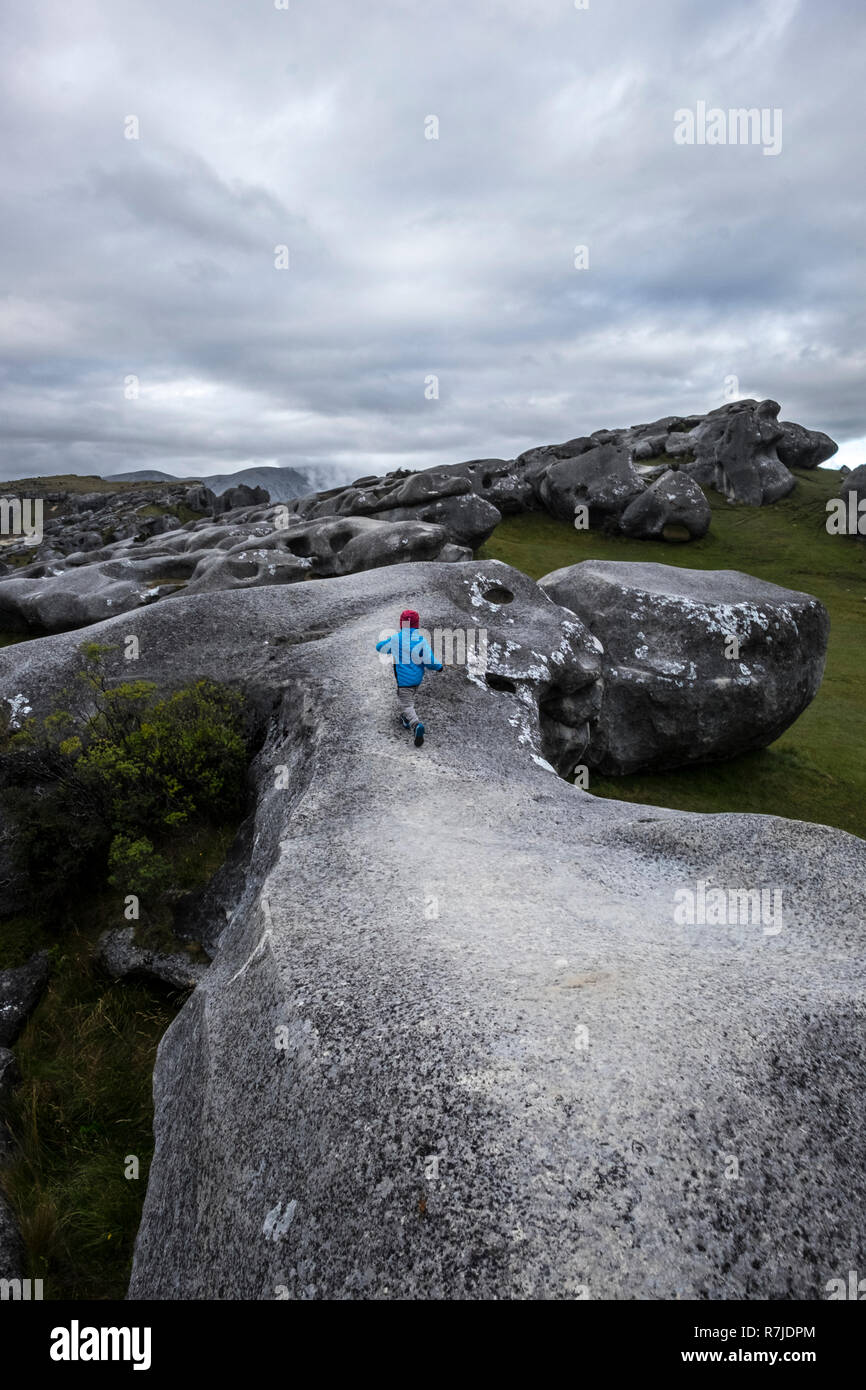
454	1043
672	695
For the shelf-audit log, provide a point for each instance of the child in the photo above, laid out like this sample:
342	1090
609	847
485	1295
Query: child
411	655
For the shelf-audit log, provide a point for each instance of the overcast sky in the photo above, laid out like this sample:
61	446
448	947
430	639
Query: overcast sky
410	257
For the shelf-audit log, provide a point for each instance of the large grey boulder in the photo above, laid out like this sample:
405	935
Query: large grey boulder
802	448
602	479
240	496
455	1042
79	595
20	991
503	482
672	508
466	519
736	453
677	688
438	496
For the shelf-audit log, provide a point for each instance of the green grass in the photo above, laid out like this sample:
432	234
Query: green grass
84	1105
817	770
70	482
83	1108
181	511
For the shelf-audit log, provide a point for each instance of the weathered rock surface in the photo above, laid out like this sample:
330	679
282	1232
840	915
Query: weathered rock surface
244	548
81	522
11	1249
854	481
438	496
9	1075
672	508
454	1042
802	448
20	992
602	479
104	554
674	693
120	957
735	451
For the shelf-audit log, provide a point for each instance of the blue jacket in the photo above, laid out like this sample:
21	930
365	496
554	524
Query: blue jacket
411	655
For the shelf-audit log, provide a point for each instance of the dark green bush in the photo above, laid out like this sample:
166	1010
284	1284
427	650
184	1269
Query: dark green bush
105	786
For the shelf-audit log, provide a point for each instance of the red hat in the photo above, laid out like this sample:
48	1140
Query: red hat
411	617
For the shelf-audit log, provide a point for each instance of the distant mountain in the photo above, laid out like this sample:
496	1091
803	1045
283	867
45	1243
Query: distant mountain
282	483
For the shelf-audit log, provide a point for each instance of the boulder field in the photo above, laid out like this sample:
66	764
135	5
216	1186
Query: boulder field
469	1032
102	555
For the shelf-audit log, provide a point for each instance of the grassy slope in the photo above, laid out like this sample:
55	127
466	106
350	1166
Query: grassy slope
817	770
84	1105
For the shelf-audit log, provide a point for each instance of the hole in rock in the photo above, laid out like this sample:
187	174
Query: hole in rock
497	594
487	480
500	683
340	540
300	546
675	531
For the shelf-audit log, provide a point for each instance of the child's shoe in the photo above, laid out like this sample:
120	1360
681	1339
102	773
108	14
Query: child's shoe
419	734
405	722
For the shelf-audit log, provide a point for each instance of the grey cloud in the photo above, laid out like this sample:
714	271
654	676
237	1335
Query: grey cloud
412	257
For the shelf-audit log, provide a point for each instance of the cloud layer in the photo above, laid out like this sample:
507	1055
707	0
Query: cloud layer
144	321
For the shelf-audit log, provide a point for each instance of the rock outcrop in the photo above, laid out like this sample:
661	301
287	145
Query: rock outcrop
671	508
735	453
77	523
20	992
119	955
244	548
104	554
698	665
458	1038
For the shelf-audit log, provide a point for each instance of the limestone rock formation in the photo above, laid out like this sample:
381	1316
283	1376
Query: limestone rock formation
120	957
735	453
802	448
457	1039
603	479
104	554
251	546
676	689
672	507
20	992
77	523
